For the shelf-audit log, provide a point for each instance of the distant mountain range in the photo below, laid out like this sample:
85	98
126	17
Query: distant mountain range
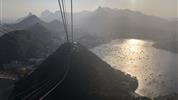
49	16
79	17
25	23
107	23
34	36
119	23
103	23
30	20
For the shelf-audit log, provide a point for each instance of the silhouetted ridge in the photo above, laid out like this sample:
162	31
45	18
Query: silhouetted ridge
89	78
25	23
30	18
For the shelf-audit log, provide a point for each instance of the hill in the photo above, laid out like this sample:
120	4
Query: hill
87	77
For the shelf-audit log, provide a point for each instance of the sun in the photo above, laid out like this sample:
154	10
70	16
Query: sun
133	1
133	4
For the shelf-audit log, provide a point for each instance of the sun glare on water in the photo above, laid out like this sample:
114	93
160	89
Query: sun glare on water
134	44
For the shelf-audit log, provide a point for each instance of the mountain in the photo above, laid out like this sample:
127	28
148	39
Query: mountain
22	18
171	45
54	26
25	23
30	38
119	23
48	16
122	23
20	45
84	77
79	17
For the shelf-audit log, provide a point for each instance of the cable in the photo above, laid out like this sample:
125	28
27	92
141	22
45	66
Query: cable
61	10
1	12
65	13
72	21
36	90
59	83
63	17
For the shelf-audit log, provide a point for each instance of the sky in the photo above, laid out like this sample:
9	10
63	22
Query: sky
12	9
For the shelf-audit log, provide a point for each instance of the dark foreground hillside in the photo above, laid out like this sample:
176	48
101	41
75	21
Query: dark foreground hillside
6	87
75	73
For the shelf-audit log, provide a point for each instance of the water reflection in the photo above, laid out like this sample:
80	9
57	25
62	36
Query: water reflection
155	69
134	45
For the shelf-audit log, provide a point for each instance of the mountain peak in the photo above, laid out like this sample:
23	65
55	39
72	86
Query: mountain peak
46	12
101	9
30	19
47	16
30	14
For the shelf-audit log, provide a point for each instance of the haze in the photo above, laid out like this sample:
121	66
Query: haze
13	9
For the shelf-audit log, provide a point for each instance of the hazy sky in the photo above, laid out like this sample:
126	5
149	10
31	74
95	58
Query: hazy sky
18	8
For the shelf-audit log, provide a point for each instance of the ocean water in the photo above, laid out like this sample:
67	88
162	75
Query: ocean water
155	69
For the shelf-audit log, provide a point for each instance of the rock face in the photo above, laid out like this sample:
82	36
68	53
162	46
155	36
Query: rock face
80	75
